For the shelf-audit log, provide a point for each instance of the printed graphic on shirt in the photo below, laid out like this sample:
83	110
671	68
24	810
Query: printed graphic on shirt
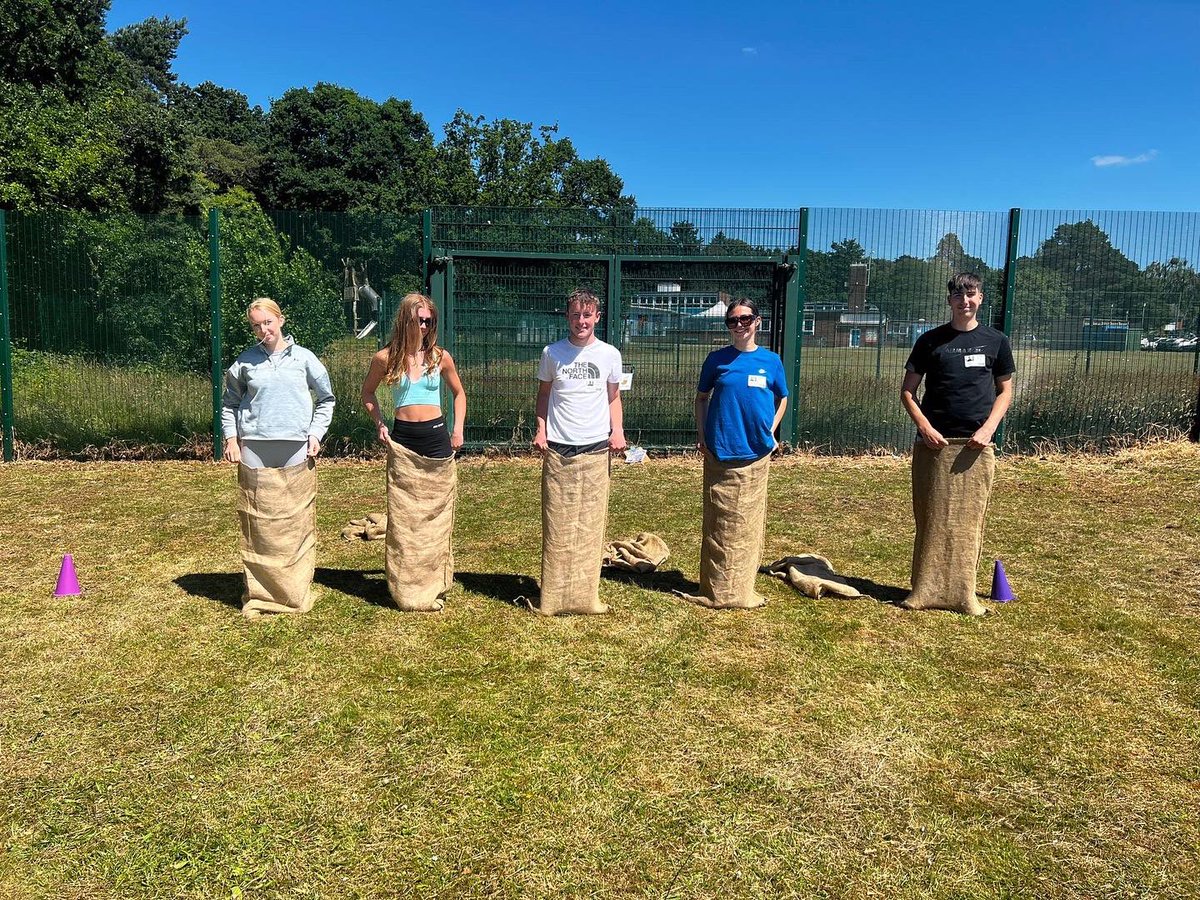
580	371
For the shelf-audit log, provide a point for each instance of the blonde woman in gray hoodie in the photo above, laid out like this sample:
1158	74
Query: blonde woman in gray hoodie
276	409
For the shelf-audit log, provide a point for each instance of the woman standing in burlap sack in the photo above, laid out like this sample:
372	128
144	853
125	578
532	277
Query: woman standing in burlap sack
740	401
967	368
422	476
273	431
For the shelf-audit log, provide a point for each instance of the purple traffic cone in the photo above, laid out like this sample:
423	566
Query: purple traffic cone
68	583
1001	592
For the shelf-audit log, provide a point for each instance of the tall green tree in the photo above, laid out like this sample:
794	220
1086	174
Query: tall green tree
1100	279
329	148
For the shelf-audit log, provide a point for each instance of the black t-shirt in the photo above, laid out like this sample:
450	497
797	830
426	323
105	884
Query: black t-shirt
960	369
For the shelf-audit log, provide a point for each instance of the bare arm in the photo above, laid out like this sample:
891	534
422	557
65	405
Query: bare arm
375	375
541	410
701	418
930	435
616	419
454	383
780	409
1004	392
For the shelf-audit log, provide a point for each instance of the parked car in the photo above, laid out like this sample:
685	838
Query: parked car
1184	344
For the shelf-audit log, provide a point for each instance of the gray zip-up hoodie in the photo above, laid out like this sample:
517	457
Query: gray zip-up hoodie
273	400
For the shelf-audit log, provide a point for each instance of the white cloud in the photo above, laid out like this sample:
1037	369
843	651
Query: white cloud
750	51
1114	160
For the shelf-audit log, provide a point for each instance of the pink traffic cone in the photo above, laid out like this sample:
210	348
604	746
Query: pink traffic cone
68	583
1001	592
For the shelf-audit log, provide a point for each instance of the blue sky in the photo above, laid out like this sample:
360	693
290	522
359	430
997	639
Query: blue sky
937	105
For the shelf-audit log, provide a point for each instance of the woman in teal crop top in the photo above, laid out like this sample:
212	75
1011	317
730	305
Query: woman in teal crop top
414	366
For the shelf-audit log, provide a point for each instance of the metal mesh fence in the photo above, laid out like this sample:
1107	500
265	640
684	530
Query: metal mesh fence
875	280
110	332
1104	325
672	316
111	320
505	312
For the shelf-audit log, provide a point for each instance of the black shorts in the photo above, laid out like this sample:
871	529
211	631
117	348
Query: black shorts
577	449
429	438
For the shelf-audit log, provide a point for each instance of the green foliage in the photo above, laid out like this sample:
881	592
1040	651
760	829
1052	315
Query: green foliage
330	149
258	261
503	163
57	45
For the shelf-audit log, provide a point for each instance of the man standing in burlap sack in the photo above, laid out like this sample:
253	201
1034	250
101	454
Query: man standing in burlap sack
579	422
968	370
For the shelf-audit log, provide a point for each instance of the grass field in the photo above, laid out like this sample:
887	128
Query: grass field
154	744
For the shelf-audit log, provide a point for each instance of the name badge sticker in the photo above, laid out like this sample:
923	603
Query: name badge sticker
975	361
758	381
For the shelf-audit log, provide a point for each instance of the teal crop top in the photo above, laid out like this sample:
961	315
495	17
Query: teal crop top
426	391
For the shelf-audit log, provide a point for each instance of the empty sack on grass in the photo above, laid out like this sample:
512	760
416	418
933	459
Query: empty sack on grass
812	575
642	553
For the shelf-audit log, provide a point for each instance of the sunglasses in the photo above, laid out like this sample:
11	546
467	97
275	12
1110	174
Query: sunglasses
422	320
739	320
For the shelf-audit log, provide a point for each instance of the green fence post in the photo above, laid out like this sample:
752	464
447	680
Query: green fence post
613	313
426	249
6	380
793	328
1008	300
214	309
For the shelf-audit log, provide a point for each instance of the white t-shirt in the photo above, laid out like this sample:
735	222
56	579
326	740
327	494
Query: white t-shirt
578	411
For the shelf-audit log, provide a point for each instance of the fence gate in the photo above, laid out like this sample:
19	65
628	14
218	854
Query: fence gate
664	313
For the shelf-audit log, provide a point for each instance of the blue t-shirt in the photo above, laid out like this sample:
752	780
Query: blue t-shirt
741	408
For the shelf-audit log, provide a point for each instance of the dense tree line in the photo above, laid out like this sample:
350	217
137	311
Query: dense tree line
98	121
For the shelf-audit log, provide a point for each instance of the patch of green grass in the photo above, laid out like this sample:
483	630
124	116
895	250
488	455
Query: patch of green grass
156	745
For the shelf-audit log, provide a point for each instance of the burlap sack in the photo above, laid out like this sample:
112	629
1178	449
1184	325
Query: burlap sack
950	488
277	511
643	553
735	516
418	551
812	575
574	516
372	527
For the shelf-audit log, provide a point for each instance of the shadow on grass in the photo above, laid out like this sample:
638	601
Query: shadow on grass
220	587
520	591
357	583
661	581
884	593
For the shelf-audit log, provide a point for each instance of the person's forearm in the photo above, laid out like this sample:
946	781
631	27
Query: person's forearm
701	417
371	405
460	411
779	411
909	402
542	410
616	414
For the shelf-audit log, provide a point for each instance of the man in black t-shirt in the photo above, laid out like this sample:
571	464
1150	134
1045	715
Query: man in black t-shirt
967	368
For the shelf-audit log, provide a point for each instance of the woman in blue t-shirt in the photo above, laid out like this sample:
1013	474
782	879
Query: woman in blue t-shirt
742	393
740	400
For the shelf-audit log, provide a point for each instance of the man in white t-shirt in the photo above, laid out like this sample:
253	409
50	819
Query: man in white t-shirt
578	425
579	397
